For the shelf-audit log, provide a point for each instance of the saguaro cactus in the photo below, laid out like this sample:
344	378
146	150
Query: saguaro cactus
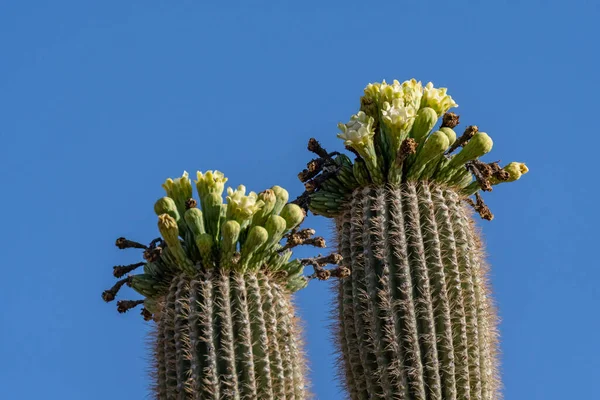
218	284
415	317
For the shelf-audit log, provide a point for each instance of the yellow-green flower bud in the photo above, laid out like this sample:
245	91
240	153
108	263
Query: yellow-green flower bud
211	208
281	198
435	145
450	134
424	122
257	237
515	171
210	182
168	229
180	190
269	199
293	216
479	145
204	243
166	205
275	226
230	232
437	99
170	232
195	221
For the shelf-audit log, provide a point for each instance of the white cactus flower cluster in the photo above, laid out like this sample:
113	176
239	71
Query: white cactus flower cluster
240	206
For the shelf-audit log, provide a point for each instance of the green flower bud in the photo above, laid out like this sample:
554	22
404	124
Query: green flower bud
269	199
479	145
257	237
151	305
204	243
450	133
168	229
144	285
275	226
231	233
435	145
282	196
424	122
210	182
180	190
166	205
170	232
195	221
212	213
515	171
437	99
293	215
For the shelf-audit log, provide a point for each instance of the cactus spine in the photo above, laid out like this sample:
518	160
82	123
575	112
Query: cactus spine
218	286
415	316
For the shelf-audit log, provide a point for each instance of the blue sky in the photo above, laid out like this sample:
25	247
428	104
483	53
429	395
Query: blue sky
101	101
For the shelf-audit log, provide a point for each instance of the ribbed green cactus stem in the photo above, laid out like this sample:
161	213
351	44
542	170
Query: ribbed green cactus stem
228	336
415	316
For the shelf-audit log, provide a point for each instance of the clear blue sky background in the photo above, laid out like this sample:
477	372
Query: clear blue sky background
101	101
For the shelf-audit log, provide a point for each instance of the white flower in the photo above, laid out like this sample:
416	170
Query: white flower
241	207
210	182
398	114
358	132
437	99
413	92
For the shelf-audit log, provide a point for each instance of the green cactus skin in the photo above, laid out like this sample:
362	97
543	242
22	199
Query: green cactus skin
227	335
219	287
415	316
414	319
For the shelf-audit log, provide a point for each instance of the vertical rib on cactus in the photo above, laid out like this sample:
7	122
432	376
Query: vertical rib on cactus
219	286
407	289
415	318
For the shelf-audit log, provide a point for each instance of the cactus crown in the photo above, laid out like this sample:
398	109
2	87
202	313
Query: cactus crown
395	140
240	235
